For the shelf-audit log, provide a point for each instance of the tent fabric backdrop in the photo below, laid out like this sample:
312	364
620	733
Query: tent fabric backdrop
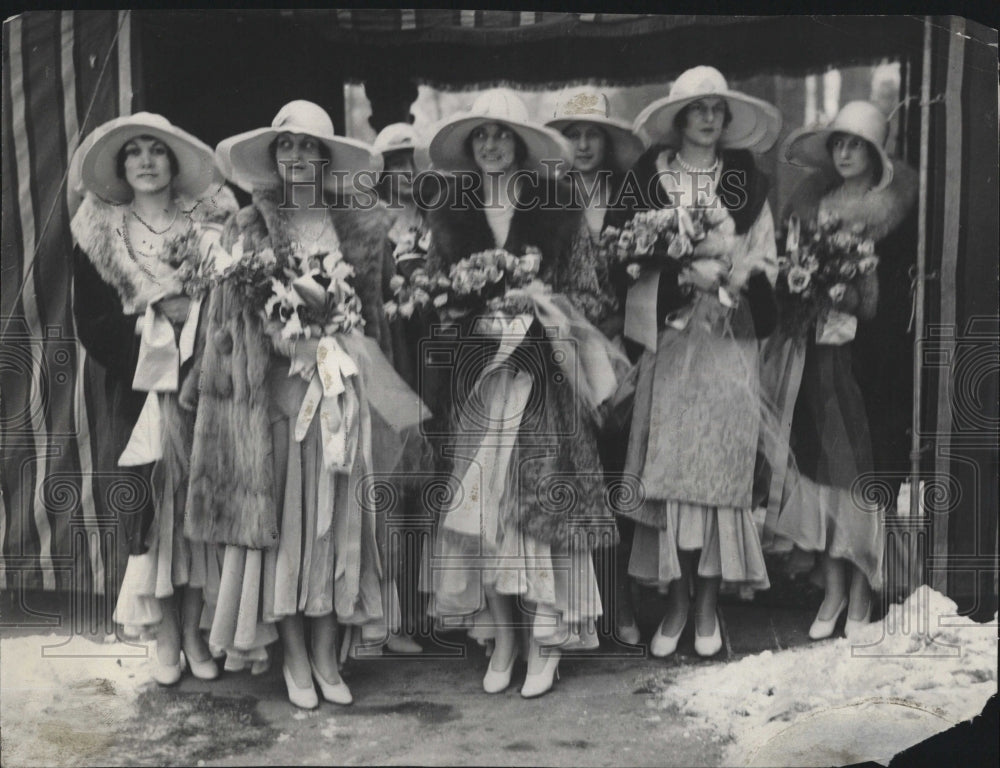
64	73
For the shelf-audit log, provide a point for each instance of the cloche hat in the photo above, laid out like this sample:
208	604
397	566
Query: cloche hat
807	146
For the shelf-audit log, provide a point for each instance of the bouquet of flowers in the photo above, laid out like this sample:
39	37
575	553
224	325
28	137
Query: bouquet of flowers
683	235
418	290
819	264
317	301
412	244
251	273
194	270
483	280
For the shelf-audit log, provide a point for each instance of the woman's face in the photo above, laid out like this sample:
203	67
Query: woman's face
589	145
705	121
147	165
401	166
494	147
297	156
850	156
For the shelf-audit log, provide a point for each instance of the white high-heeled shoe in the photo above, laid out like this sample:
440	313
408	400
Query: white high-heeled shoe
494	681
336	693
168	674
541	682
400	643
852	626
304	698
711	644
823	628
203	670
663	645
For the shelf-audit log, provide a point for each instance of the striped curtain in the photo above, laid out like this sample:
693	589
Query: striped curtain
64	73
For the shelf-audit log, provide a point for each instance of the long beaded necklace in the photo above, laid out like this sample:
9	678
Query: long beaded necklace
150	228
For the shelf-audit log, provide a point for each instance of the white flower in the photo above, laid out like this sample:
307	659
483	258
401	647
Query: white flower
440	300
633	270
837	292
391	309
406	309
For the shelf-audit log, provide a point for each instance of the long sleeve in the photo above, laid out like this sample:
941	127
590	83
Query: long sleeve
102	326
761	273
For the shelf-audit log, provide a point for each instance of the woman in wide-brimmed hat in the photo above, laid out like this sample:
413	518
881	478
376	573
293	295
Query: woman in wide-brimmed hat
280	446
605	148
858	190
409	238
141	232
522	441
695	420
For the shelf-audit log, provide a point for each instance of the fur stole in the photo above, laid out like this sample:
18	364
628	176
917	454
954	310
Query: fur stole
97	229
231	495
459	232
879	212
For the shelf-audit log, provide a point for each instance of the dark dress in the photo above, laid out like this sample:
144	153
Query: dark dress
543	515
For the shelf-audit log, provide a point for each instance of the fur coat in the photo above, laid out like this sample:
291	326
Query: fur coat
882	350
109	293
559	445
231	493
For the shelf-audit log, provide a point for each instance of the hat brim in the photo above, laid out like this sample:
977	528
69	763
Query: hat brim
98	161
755	124
625	145
806	147
246	159
548	152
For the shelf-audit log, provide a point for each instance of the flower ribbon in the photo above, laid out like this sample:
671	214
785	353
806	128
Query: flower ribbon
333	393
157	370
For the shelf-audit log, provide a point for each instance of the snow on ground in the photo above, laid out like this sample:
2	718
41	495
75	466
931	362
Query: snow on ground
64	698
918	672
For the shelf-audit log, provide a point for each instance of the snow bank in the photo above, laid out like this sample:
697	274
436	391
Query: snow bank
900	680
63	699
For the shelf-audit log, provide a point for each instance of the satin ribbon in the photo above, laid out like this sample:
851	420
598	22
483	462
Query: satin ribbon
781	377
640	309
332	393
592	364
836	328
157	370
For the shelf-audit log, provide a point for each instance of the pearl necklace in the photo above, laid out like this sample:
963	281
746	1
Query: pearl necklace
692	169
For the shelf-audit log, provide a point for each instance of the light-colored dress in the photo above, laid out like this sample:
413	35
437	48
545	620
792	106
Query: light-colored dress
327	559
171	561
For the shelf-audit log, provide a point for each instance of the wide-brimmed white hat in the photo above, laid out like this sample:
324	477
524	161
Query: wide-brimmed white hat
447	149
755	124
95	162
807	146
395	137
246	158
593	107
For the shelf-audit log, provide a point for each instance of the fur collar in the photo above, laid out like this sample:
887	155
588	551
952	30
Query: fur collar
97	227
879	212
